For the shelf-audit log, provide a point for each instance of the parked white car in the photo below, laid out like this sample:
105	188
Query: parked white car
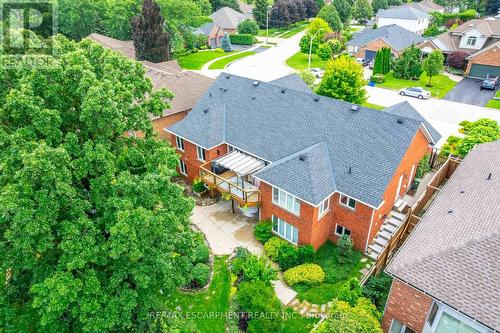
418	92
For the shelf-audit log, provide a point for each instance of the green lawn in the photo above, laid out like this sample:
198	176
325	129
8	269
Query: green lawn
494	103
335	275
214	299
300	60
293	32
441	84
222	63
294	323
198	59
274	32
373	106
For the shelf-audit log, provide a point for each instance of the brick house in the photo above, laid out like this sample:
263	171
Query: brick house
479	38
187	87
446	273
318	167
213	32
367	42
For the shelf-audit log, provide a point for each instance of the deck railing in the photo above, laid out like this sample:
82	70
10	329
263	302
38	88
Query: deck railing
248	197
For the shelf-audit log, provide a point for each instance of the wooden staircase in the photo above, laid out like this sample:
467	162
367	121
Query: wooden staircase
387	230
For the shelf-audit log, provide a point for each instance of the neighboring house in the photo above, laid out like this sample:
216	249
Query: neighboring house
410	18
318	167
213	32
187	87
367	42
246	9
480	38
228	19
426	6
446	274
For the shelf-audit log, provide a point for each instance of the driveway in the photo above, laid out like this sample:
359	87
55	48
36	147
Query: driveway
468	91
444	115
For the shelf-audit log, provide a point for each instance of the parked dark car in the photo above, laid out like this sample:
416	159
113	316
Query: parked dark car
362	61
490	83
371	64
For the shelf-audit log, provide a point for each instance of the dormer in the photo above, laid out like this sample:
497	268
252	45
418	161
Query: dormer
472	38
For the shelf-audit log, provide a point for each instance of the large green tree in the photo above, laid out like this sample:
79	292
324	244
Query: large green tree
379	4
408	65
362	10
218	4
344	9
343	79
260	12
91	226
80	18
330	15
479	131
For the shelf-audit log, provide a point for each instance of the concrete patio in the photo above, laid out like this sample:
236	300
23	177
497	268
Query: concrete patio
224	230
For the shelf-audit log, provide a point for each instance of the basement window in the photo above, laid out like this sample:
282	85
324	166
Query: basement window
341	231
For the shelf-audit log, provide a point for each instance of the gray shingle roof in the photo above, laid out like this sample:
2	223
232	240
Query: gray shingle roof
227	18
273	123
397	37
205	29
292	81
453	253
404	109
402	12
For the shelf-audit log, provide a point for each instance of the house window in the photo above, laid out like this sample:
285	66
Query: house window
347	201
287	201
398	327
341	231
323	207
182	167
471	41
180	143
285	230
442	319
201	153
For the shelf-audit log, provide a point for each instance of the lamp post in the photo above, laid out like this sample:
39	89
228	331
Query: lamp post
310	49
267	23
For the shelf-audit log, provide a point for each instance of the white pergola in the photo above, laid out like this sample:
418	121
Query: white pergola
240	163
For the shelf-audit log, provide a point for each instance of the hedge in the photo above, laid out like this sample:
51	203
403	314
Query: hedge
310	274
272	247
244	39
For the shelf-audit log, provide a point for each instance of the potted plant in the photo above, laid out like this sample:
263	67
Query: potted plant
199	187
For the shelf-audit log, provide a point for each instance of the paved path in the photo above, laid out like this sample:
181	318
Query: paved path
444	115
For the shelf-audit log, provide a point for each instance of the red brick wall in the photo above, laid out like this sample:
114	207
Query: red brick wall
416	151
407	305
190	157
373	46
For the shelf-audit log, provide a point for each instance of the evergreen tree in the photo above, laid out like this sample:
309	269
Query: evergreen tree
260	12
492	7
151	42
226	43
379	4
218	4
407	66
382	61
363	10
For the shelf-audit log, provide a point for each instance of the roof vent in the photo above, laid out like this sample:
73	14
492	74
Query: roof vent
302	158
450	211
205	111
210	94
354	108
350	170
462	192
255	83
283	91
489	176
228	76
224	90
187	73
400	121
253	98
316	99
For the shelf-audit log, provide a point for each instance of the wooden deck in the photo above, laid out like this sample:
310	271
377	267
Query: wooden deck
247	194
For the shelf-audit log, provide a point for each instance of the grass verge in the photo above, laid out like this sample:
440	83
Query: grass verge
213	299
198	59
494	103
300	60
441	84
373	106
222	63
274	32
335	275
293	32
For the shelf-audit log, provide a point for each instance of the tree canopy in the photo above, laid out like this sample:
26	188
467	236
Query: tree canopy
344	9
330	15
92	227
407	66
343	79
362	10
433	64
479	131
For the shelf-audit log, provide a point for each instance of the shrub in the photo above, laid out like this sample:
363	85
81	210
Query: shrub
249	27
263	231
219	50
244	39
257	269
226	43
309	274
288	256
272	246
324	51
378	78
345	249
200	274
198	185
423	167
350	291
258	297
377	289
201	253
457	59
306	254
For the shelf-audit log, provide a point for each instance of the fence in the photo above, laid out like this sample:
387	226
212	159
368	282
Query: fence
412	216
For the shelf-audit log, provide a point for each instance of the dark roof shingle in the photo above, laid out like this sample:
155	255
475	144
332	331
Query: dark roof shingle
397	37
